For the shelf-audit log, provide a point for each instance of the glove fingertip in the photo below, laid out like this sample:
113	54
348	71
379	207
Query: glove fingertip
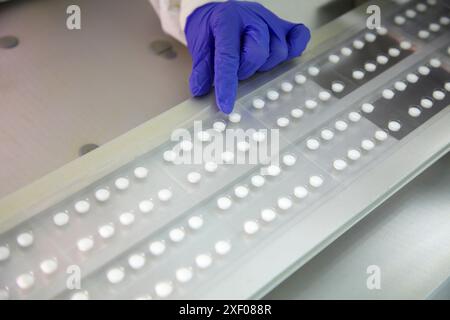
226	90
245	73
200	83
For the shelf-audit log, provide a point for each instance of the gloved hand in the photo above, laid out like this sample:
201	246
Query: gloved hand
230	41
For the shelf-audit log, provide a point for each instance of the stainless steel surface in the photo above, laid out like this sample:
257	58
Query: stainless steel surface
63	88
407	237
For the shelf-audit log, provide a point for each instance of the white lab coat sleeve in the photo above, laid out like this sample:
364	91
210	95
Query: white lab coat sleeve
174	13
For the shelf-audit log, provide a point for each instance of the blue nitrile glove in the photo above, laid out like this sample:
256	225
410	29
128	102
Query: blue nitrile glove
230	41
